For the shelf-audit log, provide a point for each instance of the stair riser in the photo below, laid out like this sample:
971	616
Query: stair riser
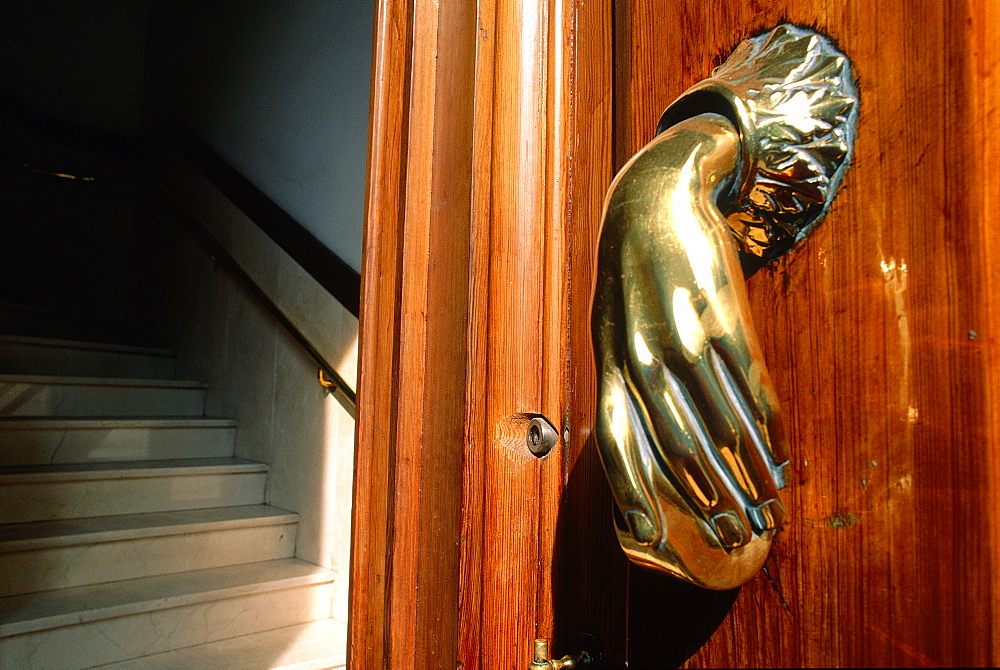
32	359
34	399
80	565
68	445
44	500
133	636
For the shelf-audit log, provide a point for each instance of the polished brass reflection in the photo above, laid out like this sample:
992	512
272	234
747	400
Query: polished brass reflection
542	661
688	425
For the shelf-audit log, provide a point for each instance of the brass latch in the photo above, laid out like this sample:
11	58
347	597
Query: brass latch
543	662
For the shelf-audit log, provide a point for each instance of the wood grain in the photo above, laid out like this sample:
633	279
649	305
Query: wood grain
369	624
879	334
591	572
464	327
984	74
516	333
491	150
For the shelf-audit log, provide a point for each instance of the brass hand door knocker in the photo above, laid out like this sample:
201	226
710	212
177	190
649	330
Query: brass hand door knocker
743	166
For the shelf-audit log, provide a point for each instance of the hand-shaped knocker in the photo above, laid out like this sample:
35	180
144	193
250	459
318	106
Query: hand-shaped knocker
687	423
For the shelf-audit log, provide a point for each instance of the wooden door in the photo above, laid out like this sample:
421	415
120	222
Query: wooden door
496	128
880	334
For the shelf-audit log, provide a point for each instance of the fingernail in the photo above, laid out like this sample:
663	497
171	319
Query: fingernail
773	514
730	530
641	527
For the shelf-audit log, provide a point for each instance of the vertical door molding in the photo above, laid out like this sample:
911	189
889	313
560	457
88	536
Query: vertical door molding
410	423
476	219
983	71
515	333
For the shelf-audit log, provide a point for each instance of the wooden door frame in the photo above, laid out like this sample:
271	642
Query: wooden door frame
490	154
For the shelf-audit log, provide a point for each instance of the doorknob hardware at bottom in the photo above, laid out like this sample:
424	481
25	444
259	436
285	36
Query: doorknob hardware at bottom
543	662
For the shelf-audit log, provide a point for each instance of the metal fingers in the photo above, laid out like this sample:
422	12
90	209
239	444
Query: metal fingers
745	445
710	430
689	453
627	459
653	423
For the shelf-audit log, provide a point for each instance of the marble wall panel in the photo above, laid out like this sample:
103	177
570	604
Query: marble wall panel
257	374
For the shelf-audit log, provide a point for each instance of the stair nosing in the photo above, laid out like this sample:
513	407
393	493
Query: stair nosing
305	574
317	657
97	470
159	526
122	382
103	422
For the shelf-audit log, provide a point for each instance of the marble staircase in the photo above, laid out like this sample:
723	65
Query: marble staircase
130	536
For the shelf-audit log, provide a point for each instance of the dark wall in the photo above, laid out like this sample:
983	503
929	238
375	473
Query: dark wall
281	91
80	60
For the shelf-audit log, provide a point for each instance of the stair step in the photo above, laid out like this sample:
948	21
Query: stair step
47	395
317	645
43	356
75	490
65	553
26	440
93	625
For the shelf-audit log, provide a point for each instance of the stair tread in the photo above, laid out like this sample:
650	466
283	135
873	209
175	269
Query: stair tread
80	344
79	422
311	646
61	380
11	474
63	607
90	530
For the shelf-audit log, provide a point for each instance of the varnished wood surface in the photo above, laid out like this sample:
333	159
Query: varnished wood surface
985	96
543	164
495	129
429	423
880	335
411	450
369	622
514	362
463	331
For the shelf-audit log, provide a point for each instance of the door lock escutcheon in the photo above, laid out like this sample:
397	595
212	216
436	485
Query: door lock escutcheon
541	435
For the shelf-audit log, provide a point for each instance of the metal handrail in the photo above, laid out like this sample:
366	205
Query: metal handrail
328	377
